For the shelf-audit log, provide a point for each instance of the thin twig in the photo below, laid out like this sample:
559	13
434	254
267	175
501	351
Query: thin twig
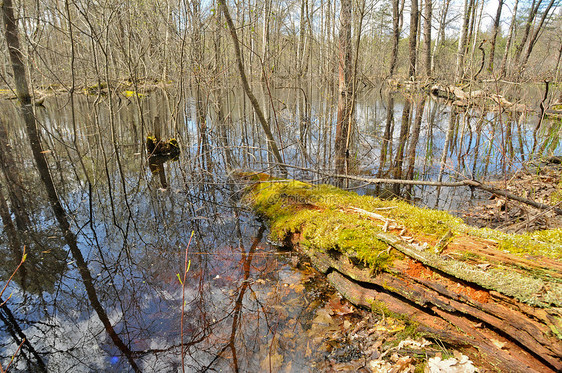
185	270
467	182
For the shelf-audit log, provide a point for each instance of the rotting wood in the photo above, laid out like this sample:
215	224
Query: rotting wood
467	292
460	96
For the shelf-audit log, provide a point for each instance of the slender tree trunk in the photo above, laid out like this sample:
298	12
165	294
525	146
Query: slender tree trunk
414	138
441	32
198	67
414	20
527	30
395	36
503	66
473	37
534	36
428	14
219	94
259	113
386	143
22	90
404	134
463	39
345	98
558	60
495	29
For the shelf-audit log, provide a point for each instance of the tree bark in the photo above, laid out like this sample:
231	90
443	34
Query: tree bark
345	90
534	36
414	21
441	31
458	286
463	39
495	29
414	138
527	30
395	36
503	66
428	14
401	148
386	141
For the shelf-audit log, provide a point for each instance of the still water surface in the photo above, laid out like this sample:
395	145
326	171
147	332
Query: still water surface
247	306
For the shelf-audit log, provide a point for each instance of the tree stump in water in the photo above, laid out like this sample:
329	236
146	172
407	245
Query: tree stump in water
496	296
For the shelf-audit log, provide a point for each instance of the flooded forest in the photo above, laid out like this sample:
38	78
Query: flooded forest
130	133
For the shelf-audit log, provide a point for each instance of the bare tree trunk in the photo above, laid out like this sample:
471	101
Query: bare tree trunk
428	12
533	40
395	36
473	37
414	20
219	99
503	66
386	142
495	29
22	90
259	113
414	138
441	32
345	88
463	40
404	134
265	37
528	24
557	68
198	69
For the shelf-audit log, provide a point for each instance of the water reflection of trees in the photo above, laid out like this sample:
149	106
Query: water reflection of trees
131	233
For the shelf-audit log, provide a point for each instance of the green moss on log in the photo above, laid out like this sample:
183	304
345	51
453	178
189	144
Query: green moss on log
318	213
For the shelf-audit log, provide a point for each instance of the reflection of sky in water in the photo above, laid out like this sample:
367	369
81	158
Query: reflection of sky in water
135	245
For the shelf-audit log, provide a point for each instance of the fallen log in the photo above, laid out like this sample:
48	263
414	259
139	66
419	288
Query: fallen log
499	294
460	97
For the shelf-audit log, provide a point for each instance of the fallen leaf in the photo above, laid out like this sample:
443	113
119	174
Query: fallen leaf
462	364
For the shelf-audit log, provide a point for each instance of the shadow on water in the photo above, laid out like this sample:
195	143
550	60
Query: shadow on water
133	209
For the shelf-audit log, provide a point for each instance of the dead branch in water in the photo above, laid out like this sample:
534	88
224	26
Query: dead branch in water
462	183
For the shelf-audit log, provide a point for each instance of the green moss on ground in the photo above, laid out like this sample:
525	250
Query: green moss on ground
318	213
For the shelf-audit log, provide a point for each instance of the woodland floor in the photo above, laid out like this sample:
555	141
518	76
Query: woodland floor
537	181
357	340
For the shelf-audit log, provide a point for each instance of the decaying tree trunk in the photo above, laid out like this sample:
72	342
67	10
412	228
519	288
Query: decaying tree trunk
462	285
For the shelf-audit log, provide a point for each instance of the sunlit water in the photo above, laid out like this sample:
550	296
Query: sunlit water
247	307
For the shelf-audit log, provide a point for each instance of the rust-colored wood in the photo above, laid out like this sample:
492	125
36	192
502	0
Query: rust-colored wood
512	335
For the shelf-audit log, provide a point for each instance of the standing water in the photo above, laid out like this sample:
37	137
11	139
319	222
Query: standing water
181	269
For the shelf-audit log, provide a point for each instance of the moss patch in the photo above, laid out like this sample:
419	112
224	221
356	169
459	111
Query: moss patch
317	212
